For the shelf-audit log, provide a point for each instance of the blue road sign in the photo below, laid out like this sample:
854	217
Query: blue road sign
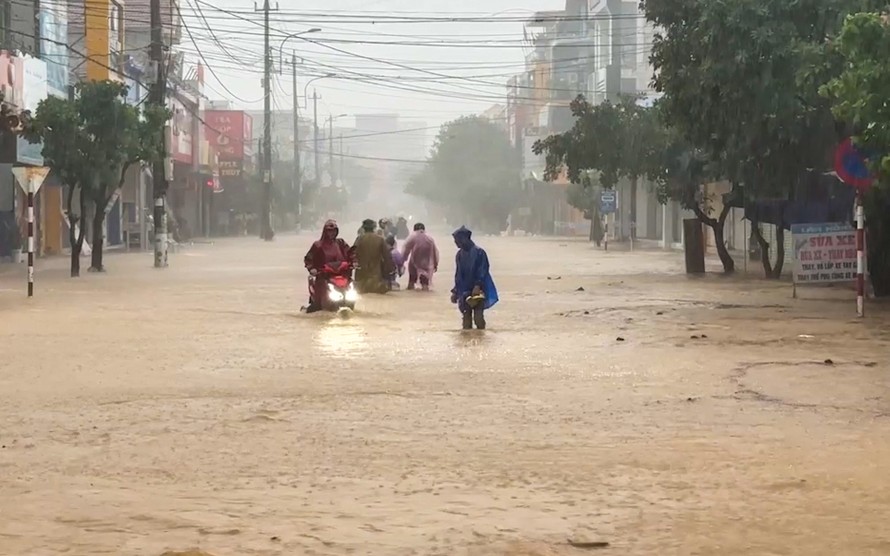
608	201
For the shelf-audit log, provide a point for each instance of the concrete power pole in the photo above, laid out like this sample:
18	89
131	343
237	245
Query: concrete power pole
331	148
266	231
315	136
159	168
298	178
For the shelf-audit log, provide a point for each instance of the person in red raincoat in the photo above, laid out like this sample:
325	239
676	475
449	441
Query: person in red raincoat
330	250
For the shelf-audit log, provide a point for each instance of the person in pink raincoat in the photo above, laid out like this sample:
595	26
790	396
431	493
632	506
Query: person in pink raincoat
423	258
398	263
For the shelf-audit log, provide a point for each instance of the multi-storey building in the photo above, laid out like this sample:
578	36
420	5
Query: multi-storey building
599	49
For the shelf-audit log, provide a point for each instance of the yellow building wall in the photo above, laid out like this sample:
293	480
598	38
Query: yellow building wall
98	39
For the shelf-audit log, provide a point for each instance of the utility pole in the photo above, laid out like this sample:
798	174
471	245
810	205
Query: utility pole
298	178
266	231
340	173
315	135
331	148
160	167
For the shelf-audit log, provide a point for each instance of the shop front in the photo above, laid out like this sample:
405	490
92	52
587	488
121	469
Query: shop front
184	197
23	83
236	200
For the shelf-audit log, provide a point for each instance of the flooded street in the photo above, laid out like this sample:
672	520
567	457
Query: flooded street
144	411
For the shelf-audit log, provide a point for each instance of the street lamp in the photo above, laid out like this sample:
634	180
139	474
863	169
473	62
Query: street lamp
297	179
306	88
292	36
314	114
331	119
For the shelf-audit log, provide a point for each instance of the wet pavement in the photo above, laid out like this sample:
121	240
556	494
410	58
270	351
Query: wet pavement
144	411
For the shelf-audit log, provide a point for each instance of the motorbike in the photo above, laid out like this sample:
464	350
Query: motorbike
341	292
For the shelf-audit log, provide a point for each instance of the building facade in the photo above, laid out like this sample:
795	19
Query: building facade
237	195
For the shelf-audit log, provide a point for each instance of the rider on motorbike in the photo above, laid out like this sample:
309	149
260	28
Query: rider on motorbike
329	250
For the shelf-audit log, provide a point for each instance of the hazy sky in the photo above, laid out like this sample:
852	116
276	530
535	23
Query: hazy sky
431	71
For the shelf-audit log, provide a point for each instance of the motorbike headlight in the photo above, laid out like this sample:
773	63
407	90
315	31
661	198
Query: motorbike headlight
333	294
351	294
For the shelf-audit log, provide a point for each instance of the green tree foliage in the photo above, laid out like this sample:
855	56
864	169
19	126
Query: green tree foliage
603	138
740	86
90	143
471	172
859	94
605	144
626	140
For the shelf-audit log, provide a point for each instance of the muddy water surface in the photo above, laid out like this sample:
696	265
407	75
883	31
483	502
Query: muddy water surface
146	411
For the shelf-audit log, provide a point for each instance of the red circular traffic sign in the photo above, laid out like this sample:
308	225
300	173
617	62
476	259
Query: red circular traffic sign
851	165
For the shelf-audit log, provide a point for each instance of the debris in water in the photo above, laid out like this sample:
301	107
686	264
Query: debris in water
704	336
828	362
619	339
694	337
588	544
586	312
805	336
659	313
690	399
580	289
275	539
554	277
193	552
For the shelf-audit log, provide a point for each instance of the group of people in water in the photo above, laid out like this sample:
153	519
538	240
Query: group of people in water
379	262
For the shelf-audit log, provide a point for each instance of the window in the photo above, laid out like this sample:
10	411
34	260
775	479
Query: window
115	26
115	35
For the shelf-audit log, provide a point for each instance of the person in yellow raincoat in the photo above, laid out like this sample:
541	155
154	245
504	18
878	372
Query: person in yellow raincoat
373	259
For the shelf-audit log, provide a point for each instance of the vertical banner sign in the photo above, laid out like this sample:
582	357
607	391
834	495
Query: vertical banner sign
30	179
608	201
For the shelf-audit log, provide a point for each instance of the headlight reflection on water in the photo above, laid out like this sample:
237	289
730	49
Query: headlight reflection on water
341	339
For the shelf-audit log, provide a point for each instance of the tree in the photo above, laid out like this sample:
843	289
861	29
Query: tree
859	93
585	197
679	170
606	140
626	140
471	172
738	86
91	142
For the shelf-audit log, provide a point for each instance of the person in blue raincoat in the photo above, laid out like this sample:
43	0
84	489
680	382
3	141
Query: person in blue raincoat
474	290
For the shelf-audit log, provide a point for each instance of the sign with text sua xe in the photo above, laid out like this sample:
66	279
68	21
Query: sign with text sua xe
823	254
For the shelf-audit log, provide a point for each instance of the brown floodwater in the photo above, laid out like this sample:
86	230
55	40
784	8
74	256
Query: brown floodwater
143	411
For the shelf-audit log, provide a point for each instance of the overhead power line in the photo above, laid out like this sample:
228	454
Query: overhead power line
209	67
